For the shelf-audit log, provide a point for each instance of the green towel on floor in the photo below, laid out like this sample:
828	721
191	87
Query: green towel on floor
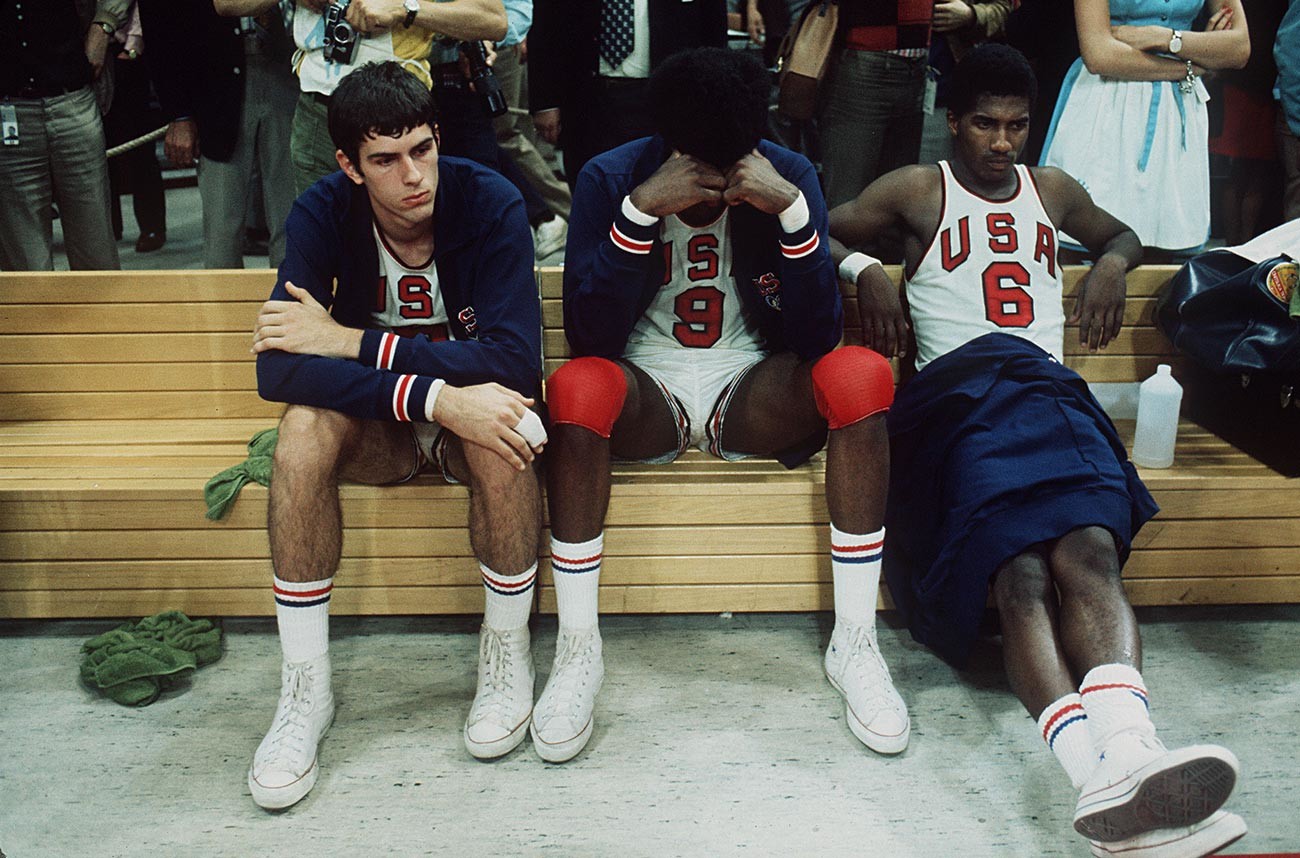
221	490
134	662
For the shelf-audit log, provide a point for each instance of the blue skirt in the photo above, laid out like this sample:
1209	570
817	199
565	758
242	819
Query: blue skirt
995	447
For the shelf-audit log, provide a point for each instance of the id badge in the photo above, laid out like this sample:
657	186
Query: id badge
9	124
931	90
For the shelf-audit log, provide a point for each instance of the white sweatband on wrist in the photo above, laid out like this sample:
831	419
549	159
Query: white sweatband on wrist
854	264
434	390
530	426
635	215
795	217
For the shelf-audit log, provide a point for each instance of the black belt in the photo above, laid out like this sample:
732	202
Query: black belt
320	98
40	92
448	75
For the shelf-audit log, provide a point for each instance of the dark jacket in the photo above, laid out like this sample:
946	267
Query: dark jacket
483	253
196	58
794	294
563	57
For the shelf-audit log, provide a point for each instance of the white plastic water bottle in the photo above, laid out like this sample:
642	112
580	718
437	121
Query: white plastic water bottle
1157	421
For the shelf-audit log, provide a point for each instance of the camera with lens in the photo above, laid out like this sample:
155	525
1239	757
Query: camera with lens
484	81
340	36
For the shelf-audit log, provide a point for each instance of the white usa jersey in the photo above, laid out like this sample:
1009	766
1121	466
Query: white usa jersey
407	299
991	267
699	306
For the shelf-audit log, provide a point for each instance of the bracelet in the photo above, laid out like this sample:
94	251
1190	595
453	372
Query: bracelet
1188	84
434	390
854	264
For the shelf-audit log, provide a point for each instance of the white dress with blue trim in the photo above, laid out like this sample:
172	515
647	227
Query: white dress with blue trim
1140	148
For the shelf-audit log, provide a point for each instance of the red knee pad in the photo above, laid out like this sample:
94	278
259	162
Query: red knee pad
587	392
851	384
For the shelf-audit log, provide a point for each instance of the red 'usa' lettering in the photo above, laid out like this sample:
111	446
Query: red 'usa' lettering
948	258
1002	232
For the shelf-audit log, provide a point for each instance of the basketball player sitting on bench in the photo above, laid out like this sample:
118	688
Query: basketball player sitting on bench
1009	475
435	367
701	301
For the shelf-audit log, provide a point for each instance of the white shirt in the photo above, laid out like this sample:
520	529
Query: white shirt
990	267
637	63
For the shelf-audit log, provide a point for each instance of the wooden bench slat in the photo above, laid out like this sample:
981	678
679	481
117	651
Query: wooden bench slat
117	287
60	319
125	348
134	377
164	404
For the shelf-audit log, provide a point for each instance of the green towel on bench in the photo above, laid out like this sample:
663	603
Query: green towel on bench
133	663
221	490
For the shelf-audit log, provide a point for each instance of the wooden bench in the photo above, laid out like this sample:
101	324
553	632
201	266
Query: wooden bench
122	393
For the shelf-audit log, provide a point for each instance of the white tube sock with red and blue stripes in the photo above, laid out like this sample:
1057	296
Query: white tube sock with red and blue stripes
508	599
302	612
855	568
1064	727
1115	698
575	567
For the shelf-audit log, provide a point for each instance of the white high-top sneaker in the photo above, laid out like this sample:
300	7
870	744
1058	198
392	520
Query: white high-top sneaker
285	765
503	703
1139	785
563	717
1193	841
874	710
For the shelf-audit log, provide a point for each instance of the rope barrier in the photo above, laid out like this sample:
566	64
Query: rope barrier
137	142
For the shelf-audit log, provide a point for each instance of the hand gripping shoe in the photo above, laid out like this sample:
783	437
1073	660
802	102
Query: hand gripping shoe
1139	785
874	710
1193	841
503	704
285	765
564	715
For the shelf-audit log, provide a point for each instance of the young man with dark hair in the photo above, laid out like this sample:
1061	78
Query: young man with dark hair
1012	478
436	367
700	300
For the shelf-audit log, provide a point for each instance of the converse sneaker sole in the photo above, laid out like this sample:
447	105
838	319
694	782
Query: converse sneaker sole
1177	789
279	798
564	750
499	747
1227	829
881	743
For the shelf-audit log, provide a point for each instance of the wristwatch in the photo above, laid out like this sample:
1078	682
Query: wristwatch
108	28
412	8
1175	42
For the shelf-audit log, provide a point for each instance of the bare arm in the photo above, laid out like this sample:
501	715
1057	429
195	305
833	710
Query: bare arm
467	20
1104	54
1224	44
880	309
236	8
1099	307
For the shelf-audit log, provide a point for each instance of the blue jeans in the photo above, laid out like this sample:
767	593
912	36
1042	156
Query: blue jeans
871	118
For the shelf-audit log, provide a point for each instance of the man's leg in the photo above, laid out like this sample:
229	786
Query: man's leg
26	218
310	148
1138	785
276	93
515	144
80	172
781	402
505	523
596	405
316	447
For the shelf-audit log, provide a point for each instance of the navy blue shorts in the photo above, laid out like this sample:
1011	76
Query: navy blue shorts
995	447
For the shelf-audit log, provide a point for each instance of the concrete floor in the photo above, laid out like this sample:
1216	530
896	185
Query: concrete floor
715	736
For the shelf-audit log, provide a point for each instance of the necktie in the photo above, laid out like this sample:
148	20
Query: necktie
615	37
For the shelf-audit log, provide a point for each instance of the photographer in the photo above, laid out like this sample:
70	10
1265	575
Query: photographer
398	30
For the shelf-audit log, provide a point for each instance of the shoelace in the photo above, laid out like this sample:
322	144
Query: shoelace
571	671
497	662
864	657
288	733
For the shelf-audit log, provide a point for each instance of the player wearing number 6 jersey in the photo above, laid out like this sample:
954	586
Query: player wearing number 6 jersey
1008	475
428	354
701	301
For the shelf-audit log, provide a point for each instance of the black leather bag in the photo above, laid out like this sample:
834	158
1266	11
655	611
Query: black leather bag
1230	316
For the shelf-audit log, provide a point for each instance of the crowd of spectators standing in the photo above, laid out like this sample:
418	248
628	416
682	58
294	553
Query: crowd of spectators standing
1147	102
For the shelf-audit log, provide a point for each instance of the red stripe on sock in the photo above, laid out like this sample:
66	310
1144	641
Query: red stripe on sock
1126	686
592	559
1065	710
870	546
305	594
